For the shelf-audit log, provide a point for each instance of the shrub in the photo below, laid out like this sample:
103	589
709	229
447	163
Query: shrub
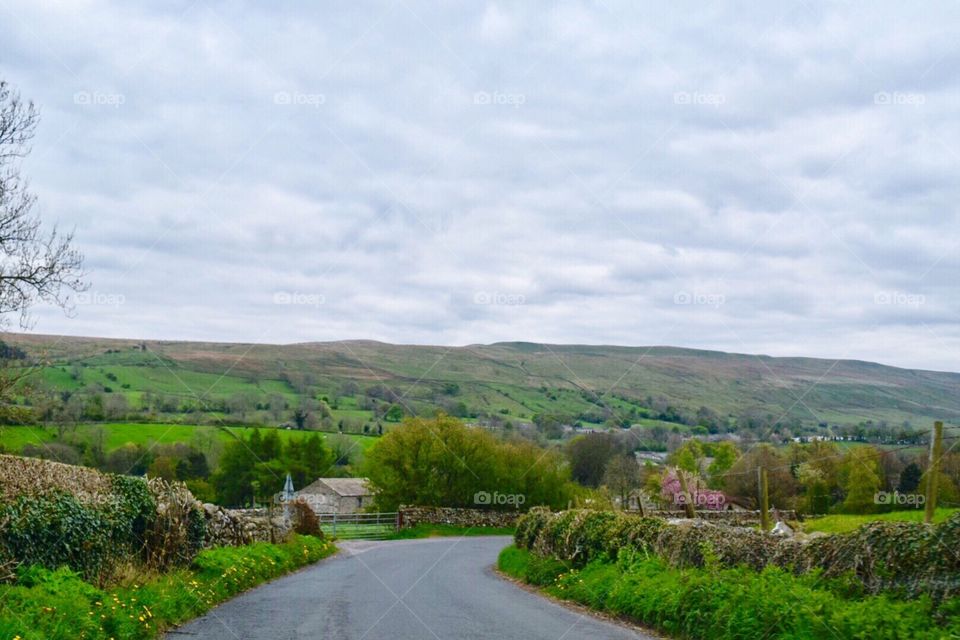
305	520
733	603
900	557
59	605
56	530
177	533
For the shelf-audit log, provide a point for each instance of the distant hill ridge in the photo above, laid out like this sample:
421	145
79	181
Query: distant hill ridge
511	377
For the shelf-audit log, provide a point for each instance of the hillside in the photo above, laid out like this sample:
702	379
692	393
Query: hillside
508	379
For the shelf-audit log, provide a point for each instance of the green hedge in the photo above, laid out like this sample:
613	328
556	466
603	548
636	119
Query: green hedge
908	559
56	529
59	605
725	604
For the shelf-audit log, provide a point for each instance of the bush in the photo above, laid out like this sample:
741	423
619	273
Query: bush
57	529
305	520
59	605
903	558
177	533
721	604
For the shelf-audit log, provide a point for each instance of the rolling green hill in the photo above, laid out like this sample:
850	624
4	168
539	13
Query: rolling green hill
516	380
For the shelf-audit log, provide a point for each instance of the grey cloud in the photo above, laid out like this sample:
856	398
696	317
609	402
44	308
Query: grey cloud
591	158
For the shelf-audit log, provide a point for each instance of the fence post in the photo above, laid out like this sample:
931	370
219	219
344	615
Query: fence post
334	524
933	472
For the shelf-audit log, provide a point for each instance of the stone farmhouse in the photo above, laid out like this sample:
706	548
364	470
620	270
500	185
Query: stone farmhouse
337	495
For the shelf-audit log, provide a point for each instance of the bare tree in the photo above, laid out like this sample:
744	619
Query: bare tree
622	477
34	266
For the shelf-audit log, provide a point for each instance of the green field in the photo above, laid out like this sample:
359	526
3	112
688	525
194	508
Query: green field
115	435
847	523
515	380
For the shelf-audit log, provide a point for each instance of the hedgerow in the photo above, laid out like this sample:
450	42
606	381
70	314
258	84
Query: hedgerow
907	559
60	605
56	529
88	521
733	603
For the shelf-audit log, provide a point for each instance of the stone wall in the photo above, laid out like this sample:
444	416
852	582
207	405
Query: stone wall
412	516
235	527
34	477
736	518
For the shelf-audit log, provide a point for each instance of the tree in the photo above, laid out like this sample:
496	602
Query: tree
861	478
622	476
689	456
116	406
441	462
724	454
741	480
394	413
277	404
34	266
910	478
589	455
163	467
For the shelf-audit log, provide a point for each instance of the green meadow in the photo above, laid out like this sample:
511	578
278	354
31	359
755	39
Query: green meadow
115	435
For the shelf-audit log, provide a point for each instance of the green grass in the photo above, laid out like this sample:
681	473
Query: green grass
846	523
728	604
13	438
520	379
439	530
58	605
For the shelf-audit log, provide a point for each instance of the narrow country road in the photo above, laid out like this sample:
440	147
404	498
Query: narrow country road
438	588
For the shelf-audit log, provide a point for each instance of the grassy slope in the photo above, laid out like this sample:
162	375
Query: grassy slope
523	378
117	434
847	523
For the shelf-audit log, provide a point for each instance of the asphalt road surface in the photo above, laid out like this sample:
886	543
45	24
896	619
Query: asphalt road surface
437	588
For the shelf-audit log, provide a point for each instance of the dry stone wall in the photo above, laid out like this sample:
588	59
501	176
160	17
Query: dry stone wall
412	516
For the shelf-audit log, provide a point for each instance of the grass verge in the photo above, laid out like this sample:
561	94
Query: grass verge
723	604
55	605
438	530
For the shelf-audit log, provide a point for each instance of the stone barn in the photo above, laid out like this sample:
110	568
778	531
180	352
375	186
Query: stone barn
337	495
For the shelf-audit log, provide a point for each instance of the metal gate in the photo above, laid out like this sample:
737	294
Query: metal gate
358	526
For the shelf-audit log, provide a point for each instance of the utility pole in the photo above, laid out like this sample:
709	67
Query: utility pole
687	500
933	471
764	499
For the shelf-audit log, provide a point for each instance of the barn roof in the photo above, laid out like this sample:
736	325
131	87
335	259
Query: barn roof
347	487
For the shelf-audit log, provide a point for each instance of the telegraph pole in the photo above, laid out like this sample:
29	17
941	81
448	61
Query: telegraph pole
764	499
687	500
933	471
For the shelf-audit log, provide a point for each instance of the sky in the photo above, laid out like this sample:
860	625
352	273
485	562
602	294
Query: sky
775	178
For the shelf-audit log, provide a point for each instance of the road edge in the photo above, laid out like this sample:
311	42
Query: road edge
583	610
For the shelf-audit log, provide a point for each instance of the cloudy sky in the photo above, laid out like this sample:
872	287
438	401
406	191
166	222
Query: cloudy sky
772	178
